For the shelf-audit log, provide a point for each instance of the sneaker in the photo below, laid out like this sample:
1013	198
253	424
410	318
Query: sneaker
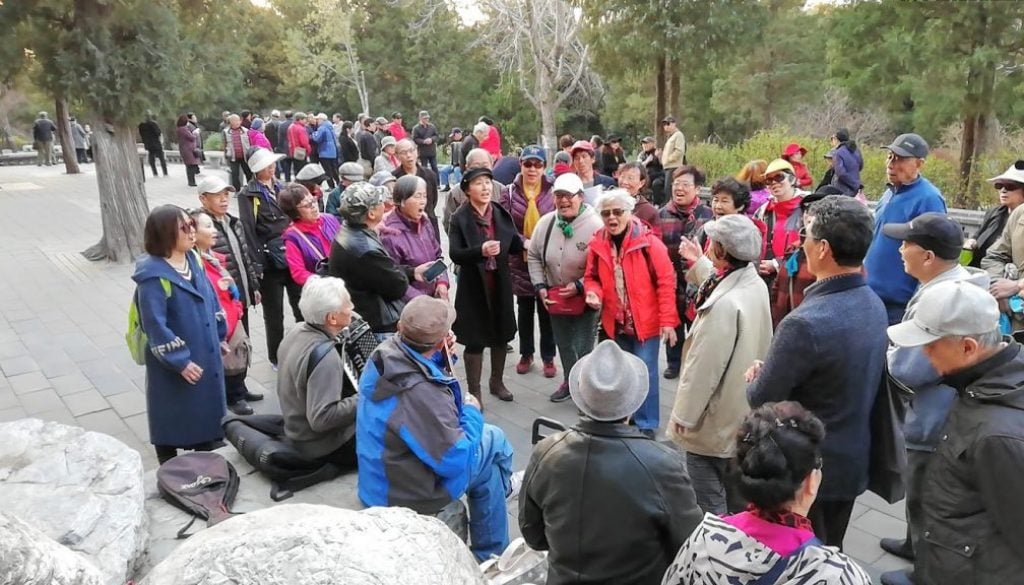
562	394
671	373
524	365
516	482
549	369
273	366
240	408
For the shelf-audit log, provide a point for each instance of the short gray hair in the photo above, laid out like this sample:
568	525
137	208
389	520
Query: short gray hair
481	128
322	295
620	196
990	339
478	153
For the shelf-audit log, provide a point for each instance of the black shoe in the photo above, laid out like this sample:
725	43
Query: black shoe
562	394
252	396
240	408
508	348
898	547
671	373
649	433
898	577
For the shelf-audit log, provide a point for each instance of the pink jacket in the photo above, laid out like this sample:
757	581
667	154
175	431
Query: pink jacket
257	138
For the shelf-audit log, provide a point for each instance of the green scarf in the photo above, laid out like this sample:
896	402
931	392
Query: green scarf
566	224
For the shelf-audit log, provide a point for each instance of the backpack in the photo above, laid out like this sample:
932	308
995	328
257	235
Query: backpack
135	338
203	484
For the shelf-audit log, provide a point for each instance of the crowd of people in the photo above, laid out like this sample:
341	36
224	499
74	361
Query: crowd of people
786	315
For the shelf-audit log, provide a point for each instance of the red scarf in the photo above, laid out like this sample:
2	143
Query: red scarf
783	518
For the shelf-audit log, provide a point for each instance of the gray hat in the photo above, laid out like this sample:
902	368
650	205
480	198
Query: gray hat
381	120
424	114
608	384
358	199
381	178
351	171
310	173
387	141
911	145
738	235
426	320
948	309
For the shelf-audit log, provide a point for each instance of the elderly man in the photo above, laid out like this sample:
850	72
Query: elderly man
1005	259
471	142
236	145
421	443
358	257
425	136
405	150
42	134
829	355
973	523
908	195
673	155
608	503
583	166
152	140
327	149
931	248
350	172
369	148
477	158
317	401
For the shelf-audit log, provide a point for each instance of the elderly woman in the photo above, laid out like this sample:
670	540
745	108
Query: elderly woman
185	327
312	176
629	278
358	257
557	259
188	149
386	161
529	197
633	178
482	237
1010	187
778	470
307	241
257	135
682	217
409	238
781	215
732	327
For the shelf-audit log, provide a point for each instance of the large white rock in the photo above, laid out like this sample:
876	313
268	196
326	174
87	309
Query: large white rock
307	543
28	556
82	489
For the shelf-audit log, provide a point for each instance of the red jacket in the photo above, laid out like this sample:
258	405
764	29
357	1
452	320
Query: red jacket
214	265
804	180
298	136
492	143
650	280
397	130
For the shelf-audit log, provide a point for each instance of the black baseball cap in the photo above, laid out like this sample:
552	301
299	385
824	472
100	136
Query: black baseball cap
932	231
911	145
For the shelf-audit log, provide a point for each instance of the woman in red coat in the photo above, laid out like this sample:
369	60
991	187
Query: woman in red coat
794	154
630	279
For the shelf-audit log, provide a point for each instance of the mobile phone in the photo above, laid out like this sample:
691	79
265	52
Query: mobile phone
436	269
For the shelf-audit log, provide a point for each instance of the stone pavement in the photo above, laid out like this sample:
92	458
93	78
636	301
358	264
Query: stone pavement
63	318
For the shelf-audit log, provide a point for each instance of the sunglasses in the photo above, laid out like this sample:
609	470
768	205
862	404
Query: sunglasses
564	195
779	178
1008	187
188	227
533	164
617	212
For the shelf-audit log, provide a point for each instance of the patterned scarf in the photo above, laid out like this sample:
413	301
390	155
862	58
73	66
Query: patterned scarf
532	215
485	223
705	289
784	518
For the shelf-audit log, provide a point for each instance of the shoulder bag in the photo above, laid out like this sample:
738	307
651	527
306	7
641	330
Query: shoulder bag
559	305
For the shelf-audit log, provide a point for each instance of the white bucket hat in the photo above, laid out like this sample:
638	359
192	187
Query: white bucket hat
261	159
608	384
1015	173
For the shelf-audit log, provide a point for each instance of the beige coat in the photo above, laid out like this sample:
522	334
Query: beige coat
733	328
565	260
1009	248
674	150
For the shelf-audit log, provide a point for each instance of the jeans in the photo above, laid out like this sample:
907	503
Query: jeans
527	307
157	153
450	175
430	162
674	353
648	416
272	287
489	484
575	336
711	485
237	168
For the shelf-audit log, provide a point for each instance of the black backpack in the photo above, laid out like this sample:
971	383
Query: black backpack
202	484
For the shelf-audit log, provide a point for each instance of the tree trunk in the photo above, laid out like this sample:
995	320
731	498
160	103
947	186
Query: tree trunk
123	205
67	144
673	105
661	99
547	125
6	132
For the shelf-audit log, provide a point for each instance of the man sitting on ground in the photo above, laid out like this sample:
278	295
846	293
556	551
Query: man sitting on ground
421	443
319	419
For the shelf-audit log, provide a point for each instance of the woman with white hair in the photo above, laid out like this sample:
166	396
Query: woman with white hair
630	279
319	410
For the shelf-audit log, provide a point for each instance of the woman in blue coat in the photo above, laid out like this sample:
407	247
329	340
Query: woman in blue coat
181	317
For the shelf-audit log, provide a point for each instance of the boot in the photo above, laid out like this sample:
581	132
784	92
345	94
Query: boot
474	370
497	382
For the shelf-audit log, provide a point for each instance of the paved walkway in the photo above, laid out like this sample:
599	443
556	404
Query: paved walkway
63	318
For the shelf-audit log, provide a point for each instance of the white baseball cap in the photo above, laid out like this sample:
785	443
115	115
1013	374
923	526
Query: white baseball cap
214	183
948	309
568	183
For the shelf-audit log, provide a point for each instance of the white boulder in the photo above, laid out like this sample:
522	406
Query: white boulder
82	489
28	556
307	543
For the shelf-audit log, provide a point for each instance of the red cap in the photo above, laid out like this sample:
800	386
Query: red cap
793	148
581	145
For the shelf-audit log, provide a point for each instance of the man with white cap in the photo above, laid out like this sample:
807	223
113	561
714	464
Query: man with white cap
610	504
1006	257
973	523
732	328
421	443
264	224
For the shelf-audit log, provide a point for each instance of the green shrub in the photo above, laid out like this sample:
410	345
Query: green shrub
215	141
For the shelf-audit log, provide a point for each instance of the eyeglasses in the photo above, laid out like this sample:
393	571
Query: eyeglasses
188	227
533	164
564	195
779	178
617	212
1008	187
307	203
803	235
682	185
892	157
405	151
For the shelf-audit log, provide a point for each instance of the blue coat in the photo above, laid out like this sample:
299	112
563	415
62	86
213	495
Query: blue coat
829	355
326	147
847	164
185	326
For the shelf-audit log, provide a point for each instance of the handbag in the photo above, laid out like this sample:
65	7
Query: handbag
390	311
299	153
274	251
239	354
887	461
320	269
518	565
558	305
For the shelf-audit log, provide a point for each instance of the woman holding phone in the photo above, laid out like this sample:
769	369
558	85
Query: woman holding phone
410	240
481	238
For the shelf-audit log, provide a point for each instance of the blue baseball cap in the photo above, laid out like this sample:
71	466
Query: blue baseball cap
535	152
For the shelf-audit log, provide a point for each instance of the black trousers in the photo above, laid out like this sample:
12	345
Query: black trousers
431	163
157	153
527	307
272	288
330	166
344	456
191	171
830	520
238	167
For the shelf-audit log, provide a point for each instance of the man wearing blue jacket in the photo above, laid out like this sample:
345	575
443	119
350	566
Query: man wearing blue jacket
327	148
420	443
908	195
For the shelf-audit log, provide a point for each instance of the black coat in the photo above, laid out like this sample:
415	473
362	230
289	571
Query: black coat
611	505
235	265
349	149
420	133
483	320
370	275
149	132
263	223
992	226
974	523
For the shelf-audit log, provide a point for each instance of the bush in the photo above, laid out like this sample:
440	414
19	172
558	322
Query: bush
215	141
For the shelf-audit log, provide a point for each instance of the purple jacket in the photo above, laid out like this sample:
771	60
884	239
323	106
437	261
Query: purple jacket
187	145
410	244
515	202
